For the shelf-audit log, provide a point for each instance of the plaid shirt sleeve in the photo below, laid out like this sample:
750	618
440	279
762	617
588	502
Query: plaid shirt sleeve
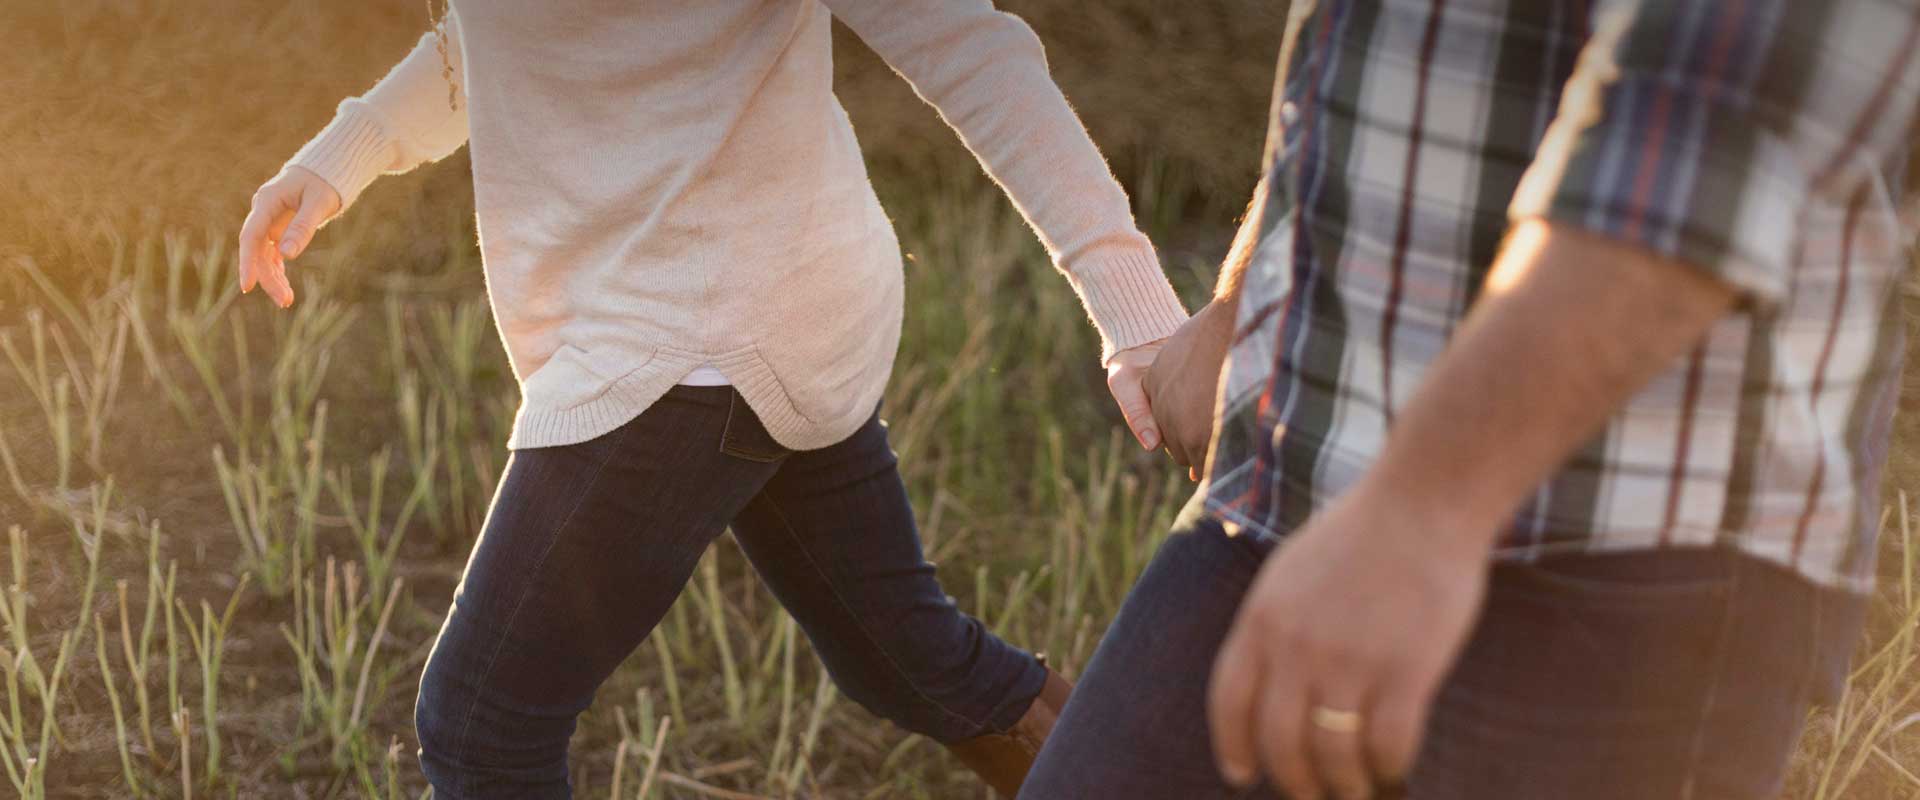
1703	129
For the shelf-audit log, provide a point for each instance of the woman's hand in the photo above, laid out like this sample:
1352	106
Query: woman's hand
1126	379
286	212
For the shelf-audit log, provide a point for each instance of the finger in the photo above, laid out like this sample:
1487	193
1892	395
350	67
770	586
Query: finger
1125	383
252	245
272	211
1397	726
1339	757
256	238
1176	446
306	221
1196	447
1230	695
275	280
1178	455
271	267
1280	727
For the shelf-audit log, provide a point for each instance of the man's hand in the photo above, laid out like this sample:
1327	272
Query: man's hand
1181	385
1324	681
285	214
1126	376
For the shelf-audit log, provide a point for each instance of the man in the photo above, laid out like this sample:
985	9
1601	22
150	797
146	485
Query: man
1560	349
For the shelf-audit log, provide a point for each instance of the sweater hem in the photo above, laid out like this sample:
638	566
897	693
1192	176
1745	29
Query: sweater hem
631	395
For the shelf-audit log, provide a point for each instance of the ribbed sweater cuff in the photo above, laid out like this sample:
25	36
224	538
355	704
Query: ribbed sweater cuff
349	153
1128	297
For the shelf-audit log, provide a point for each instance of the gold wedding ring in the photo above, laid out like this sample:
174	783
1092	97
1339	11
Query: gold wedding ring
1334	720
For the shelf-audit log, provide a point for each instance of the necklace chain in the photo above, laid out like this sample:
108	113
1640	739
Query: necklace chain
438	19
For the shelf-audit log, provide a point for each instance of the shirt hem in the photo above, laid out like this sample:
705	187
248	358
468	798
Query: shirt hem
1812	573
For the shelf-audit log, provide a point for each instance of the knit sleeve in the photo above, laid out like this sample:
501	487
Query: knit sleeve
986	73
414	115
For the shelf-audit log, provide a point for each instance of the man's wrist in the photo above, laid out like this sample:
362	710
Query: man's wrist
1218	317
1246	240
1440	519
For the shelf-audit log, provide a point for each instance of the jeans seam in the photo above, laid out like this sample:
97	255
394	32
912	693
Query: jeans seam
859	622
1697	748
1816	647
727	445
466	723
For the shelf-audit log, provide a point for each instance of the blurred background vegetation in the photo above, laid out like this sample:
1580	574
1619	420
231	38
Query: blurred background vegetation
232	531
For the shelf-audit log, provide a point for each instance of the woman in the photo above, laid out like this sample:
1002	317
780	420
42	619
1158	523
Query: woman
701	299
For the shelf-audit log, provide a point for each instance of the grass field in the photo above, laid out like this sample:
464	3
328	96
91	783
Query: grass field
231	530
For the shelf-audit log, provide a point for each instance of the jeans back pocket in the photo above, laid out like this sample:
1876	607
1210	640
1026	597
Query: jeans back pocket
746	437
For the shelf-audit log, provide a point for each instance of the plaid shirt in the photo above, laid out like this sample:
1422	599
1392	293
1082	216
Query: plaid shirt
1760	141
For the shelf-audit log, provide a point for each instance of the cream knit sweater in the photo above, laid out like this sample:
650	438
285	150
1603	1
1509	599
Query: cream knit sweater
665	184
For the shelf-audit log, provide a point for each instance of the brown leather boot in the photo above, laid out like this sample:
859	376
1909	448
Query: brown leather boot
1002	759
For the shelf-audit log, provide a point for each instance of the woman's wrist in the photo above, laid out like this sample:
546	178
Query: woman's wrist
349	153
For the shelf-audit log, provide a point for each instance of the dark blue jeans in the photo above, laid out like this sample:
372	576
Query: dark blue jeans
1653	676
586	546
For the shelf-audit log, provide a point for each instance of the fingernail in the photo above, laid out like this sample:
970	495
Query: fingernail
1150	438
286	248
1236	775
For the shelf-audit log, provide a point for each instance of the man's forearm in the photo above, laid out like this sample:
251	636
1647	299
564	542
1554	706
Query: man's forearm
1234	269
1569	327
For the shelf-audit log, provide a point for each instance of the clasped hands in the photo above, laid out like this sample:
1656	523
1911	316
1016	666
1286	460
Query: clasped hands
1322	687
1166	388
